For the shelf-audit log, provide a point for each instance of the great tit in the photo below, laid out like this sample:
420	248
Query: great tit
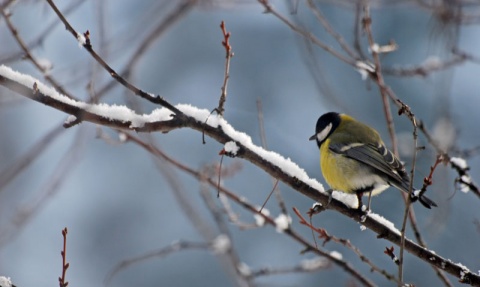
354	159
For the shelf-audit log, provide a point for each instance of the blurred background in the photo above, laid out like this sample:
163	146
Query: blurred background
118	202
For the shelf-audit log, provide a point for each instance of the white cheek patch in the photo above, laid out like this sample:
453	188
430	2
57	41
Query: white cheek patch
324	133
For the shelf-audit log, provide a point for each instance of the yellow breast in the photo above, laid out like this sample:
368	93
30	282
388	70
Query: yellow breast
348	175
337	170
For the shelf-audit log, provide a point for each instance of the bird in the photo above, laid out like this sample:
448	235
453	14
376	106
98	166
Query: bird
354	159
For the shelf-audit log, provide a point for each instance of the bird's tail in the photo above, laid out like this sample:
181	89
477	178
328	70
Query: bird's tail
427	202
416	195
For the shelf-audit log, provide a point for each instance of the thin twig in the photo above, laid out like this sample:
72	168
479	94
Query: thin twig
427	181
65	264
358	29
269	9
32	59
88	46
340	40
181	10
219	174
39	40
269	195
318	264
263	139
228	56
323	234
427	67
176	246
230	256
35	151
6	4
69	160
472	186
408	204
190	209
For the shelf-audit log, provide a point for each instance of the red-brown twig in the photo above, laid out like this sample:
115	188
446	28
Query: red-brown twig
65	264
226	42
322	233
228	56
389	252
315	209
427	181
269	195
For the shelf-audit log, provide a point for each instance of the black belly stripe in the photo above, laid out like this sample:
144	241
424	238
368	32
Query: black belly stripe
364	189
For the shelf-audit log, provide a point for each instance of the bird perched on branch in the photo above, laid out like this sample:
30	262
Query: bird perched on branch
354	159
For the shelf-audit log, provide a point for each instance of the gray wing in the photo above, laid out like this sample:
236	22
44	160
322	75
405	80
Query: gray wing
383	161
379	158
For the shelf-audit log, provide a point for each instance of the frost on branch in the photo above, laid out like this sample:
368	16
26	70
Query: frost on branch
282	222
231	147
6	282
221	244
464	180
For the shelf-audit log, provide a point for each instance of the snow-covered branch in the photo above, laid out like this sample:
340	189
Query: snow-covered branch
217	128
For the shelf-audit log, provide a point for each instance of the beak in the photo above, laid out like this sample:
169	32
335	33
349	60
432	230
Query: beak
312	137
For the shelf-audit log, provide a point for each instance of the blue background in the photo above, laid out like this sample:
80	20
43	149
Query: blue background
117	204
